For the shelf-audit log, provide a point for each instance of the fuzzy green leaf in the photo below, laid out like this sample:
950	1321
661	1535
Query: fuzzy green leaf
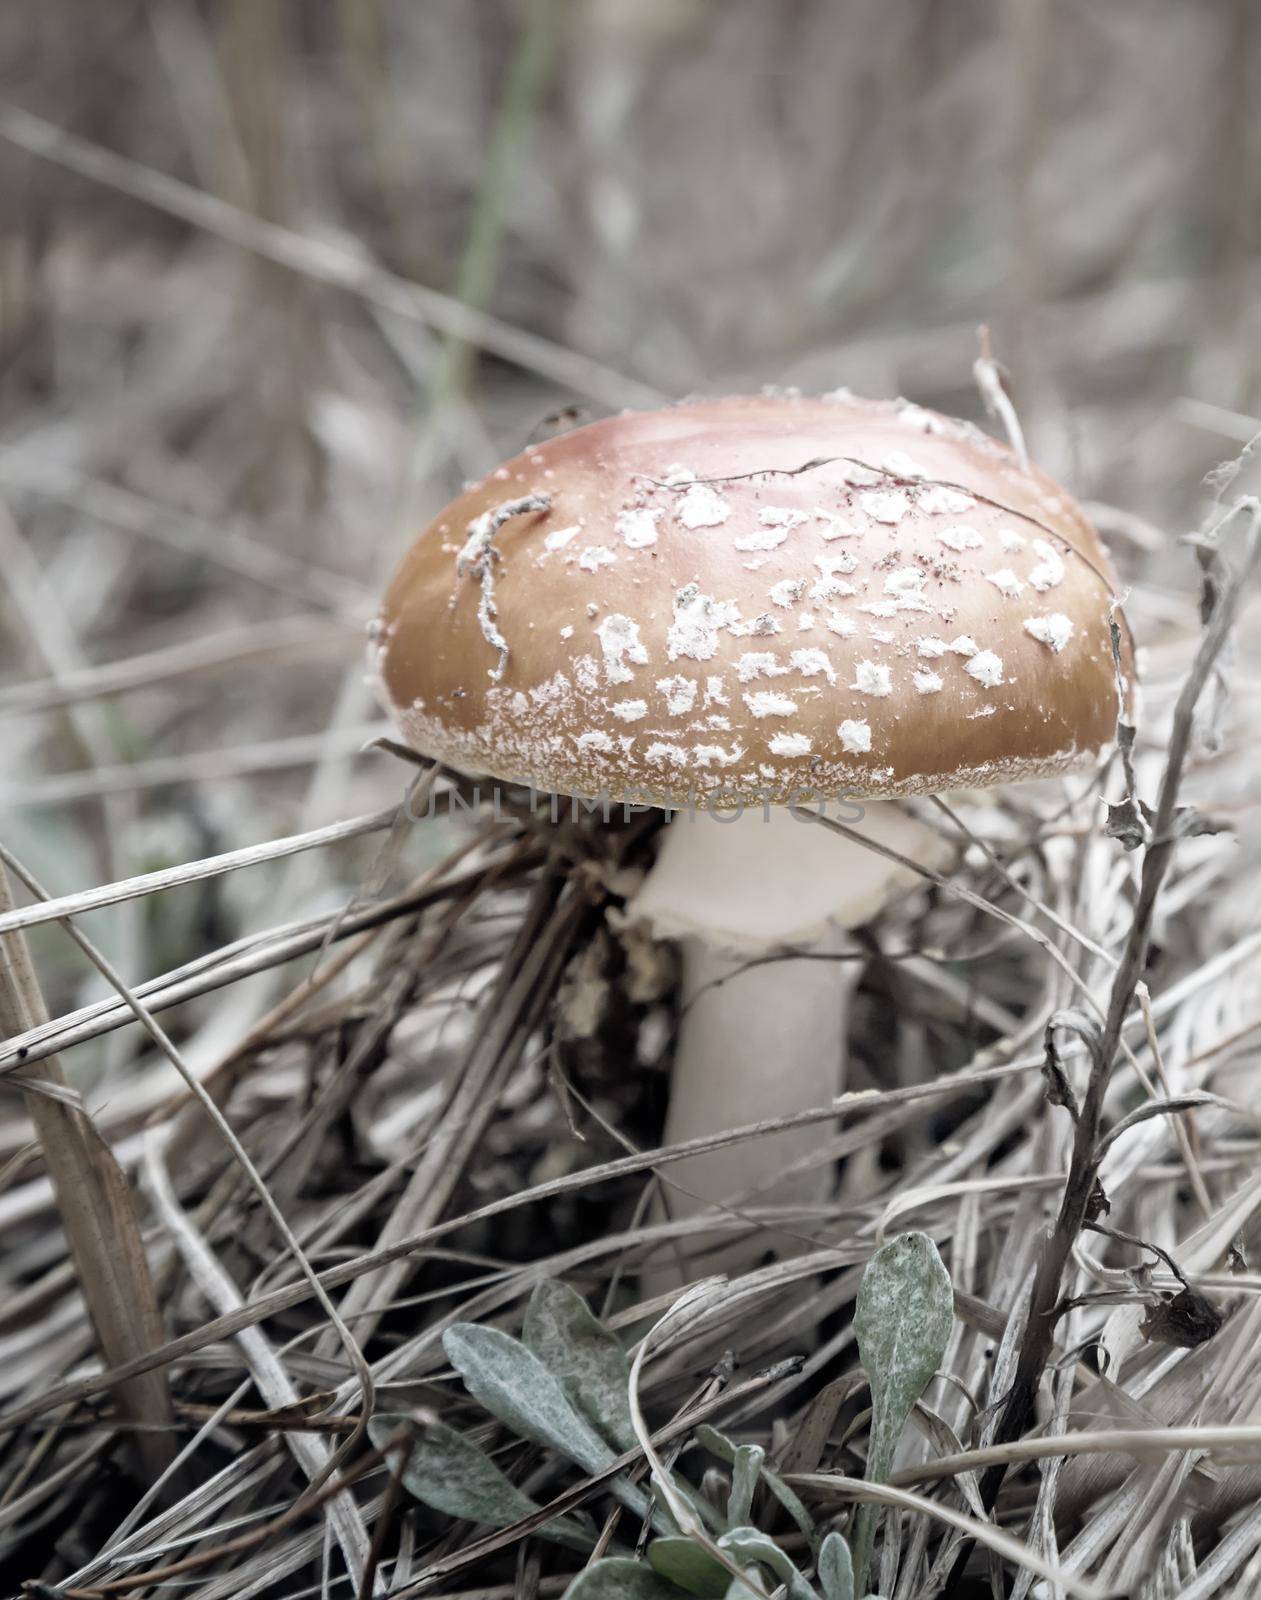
836	1568
576	1347
447	1473
719	1445
691	1568
745	1470
739	1590
514	1385
620	1578
902	1319
746	1545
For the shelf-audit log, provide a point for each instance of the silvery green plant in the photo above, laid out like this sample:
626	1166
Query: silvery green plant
565	1385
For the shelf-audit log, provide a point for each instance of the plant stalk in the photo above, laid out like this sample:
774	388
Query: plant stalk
97	1212
1223	590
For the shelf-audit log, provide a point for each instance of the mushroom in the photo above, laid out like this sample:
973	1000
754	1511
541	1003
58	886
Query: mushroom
740	608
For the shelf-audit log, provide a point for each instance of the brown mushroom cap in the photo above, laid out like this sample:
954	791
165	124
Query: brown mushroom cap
756	597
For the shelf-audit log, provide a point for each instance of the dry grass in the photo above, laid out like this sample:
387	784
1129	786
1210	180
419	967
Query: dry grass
273	280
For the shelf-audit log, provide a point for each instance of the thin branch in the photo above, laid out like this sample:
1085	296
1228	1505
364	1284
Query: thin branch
1084	1161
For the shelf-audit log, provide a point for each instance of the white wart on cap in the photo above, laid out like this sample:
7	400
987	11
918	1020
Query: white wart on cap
755	597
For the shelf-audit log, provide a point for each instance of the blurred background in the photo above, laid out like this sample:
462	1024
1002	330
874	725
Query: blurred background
276	277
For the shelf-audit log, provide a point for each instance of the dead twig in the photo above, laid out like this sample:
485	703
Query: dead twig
1083	1171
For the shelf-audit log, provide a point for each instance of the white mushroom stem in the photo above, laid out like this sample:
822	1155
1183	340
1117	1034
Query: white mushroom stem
756	1043
763	1041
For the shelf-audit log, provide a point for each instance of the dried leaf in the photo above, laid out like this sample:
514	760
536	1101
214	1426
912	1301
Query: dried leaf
1127	822
1185	1320
1097	1204
1160	1108
1188	823
1059	1090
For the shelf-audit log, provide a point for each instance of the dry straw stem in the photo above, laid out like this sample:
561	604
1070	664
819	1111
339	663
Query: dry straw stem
207	1104
1227	589
264	643
110	894
255	953
271	1380
712	1405
98	1215
230	549
835	1486
527	981
1227	1443
201	766
323	262
293	1294
527	79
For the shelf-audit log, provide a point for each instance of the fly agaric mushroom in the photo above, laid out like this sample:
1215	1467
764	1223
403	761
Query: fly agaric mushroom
730	606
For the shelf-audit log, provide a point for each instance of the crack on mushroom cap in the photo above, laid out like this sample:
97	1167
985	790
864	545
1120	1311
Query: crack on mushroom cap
477	559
